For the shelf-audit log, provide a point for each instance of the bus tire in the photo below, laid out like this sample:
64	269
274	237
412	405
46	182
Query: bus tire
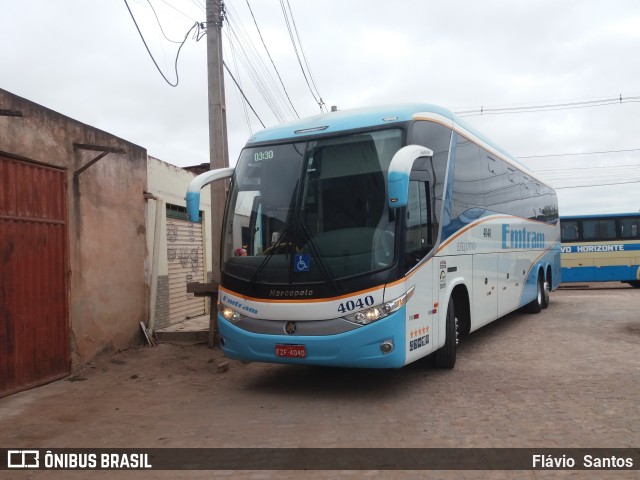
535	306
545	294
445	357
634	283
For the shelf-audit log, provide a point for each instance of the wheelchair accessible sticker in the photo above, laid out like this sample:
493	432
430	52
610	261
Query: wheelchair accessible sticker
301	262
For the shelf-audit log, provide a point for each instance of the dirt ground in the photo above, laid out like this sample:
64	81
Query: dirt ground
568	377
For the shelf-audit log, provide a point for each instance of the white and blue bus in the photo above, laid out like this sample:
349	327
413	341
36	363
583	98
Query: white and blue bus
375	237
601	248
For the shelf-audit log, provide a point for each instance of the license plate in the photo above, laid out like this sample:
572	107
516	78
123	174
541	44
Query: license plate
291	351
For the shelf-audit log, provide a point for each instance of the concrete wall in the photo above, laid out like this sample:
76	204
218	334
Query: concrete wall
168	184
108	291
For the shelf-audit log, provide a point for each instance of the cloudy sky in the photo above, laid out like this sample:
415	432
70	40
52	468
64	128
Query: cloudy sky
545	73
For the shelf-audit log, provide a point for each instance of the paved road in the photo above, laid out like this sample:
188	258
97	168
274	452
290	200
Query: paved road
568	377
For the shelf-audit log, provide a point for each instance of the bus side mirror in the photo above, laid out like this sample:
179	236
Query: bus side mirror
399	172
193	191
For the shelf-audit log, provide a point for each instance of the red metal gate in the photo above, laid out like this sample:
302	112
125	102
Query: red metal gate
34	327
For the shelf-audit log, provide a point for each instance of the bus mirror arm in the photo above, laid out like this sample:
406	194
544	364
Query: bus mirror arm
193	191
400	171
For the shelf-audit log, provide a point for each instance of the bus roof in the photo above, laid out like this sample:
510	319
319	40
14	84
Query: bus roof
343	120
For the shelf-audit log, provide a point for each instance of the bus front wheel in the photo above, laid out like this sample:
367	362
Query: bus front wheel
445	357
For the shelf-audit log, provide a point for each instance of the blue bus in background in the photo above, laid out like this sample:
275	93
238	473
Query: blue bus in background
375	237
601	248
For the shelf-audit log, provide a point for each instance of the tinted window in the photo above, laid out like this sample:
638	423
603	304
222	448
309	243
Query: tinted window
630	228
495	184
436	138
468	189
513	198
418	238
569	230
599	229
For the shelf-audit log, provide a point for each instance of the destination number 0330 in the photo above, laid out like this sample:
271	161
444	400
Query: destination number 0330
356	304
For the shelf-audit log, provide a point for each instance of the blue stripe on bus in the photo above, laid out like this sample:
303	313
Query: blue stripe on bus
622	273
356	348
609	247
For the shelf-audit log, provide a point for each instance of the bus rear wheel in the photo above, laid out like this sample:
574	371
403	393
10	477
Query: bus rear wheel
537	304
445	357
546	289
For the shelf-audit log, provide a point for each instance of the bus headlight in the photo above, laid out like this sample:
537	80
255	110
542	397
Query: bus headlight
228	313
370	315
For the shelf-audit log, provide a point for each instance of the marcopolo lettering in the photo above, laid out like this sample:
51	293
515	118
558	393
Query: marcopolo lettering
521	238
290	293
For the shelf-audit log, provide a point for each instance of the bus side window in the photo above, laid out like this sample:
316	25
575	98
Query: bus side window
569	231
599	229
629	227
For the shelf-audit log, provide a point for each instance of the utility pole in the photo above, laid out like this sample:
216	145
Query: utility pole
218	156
218	150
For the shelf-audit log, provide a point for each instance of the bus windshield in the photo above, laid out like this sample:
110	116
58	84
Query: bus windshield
312	211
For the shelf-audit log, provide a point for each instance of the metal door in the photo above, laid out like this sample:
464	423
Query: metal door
34	327
185	254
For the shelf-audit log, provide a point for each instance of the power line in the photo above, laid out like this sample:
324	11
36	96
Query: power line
179	11
245	97
549	106
581	153
295	49
598	185
159	24
258	70
242	102
304	55
200	5
195	25
573	169
272	62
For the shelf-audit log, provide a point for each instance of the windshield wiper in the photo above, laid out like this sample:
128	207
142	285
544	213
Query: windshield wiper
316	253
273	249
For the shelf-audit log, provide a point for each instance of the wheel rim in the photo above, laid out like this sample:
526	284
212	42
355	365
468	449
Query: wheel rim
546	291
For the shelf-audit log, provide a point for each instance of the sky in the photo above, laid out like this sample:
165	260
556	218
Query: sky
545	73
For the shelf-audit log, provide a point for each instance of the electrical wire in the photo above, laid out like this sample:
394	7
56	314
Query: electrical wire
272	62
257	70
548	107
245	97
573	169
159	24
195	25
200	5
597	185
180	11
242	102
580	153
304	55
295	49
